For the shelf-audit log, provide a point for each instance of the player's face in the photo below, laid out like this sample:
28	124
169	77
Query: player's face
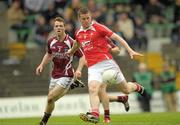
59	28
85	20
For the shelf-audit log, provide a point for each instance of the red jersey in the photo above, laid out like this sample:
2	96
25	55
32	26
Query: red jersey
94	43
110	43
62	63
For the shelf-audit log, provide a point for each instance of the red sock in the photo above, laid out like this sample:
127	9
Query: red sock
122	98
95	112
138	87
106	113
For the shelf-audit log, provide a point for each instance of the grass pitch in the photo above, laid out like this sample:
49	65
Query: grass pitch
121	119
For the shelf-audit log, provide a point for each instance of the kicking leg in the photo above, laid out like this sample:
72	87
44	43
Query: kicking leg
129	87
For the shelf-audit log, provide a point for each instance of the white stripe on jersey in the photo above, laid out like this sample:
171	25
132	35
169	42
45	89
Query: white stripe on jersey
67	42
106	56
53	42
68	65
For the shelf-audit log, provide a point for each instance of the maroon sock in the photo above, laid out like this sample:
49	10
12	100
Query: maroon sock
106	113
138	88
122	98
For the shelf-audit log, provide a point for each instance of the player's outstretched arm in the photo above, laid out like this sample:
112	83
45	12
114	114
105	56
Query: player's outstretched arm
46	59
131	52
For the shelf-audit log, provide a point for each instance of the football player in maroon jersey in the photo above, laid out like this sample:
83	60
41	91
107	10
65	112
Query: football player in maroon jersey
62	75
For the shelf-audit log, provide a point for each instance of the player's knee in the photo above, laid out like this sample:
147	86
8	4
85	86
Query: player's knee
50	98
93	89
103	87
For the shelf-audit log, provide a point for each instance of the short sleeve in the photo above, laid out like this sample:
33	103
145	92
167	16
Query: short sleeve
105	31
48	47
76	34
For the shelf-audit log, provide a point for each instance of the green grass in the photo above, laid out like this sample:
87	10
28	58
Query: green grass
121	119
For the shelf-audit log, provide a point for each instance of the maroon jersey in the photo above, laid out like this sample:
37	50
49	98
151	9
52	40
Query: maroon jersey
62	63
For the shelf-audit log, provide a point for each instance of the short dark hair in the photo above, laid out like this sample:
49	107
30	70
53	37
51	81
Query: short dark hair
59	19
83	11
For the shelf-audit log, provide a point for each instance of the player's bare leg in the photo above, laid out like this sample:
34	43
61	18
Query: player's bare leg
128	87
54	94
105	102
93	116
121	99
94	88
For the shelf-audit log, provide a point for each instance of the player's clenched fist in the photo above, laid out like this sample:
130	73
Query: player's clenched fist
39	69
69	52
77	74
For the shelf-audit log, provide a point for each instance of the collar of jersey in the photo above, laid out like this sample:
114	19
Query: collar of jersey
63	39
89	28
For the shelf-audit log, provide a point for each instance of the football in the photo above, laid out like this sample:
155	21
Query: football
110	77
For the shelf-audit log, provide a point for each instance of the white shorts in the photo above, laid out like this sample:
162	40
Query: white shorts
95	72
65	82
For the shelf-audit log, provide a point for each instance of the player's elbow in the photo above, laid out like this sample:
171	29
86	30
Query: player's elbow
93	89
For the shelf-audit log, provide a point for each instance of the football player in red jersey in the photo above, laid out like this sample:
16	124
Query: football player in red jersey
121	98
91	36
62	73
